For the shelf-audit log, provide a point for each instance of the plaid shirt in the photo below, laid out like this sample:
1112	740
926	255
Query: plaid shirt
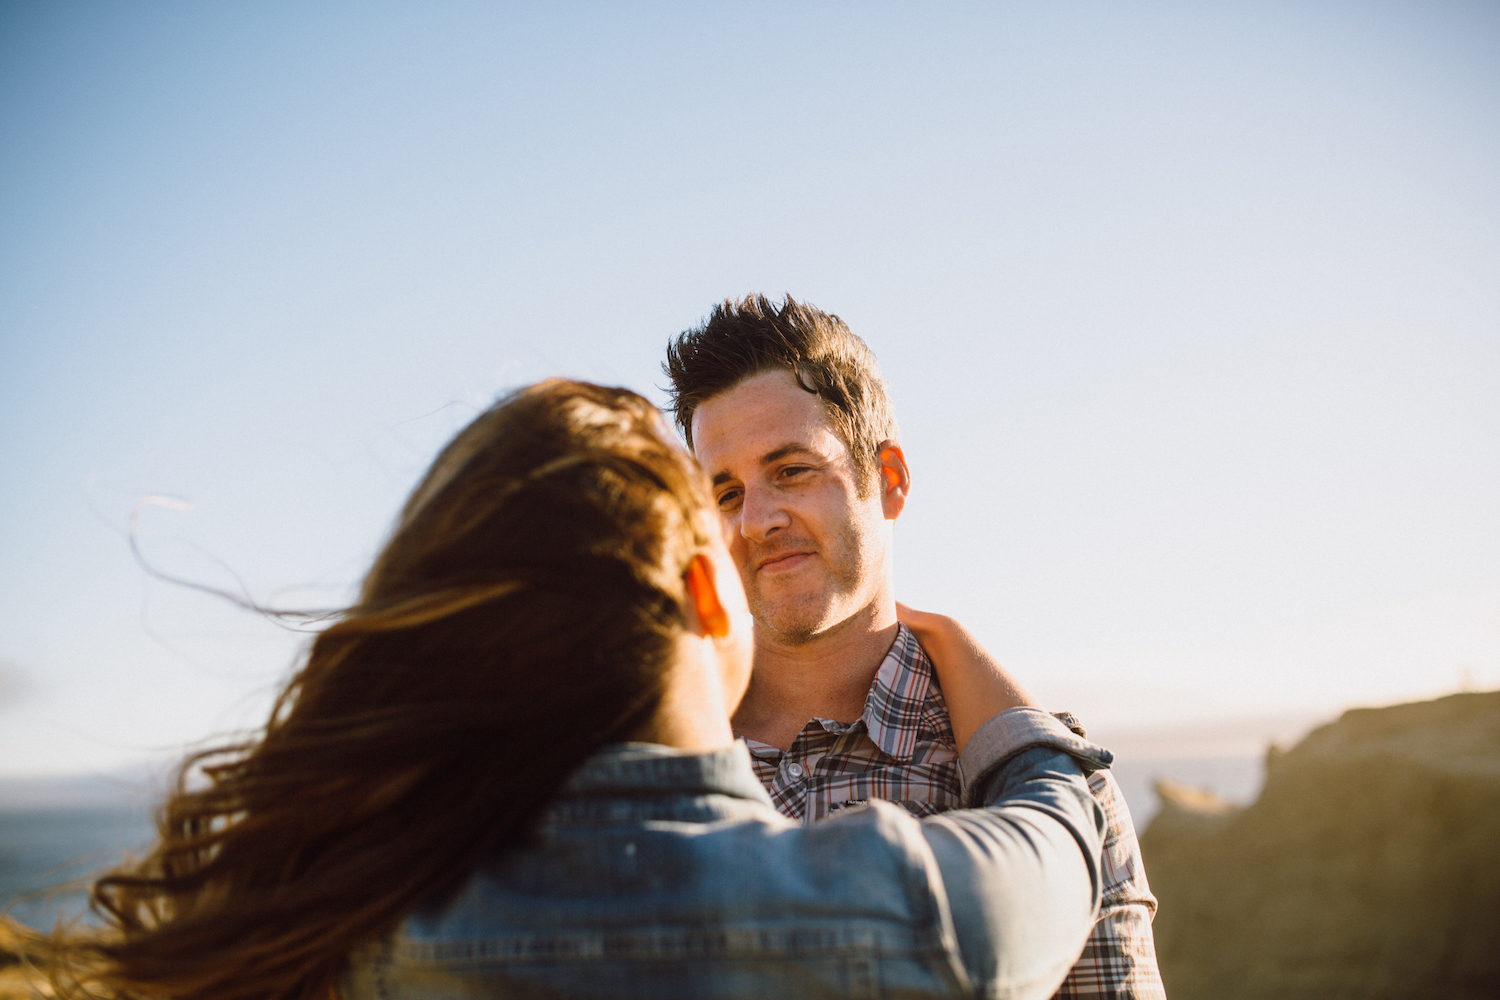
901	749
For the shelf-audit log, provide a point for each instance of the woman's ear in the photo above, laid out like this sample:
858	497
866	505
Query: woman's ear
703	598
895	479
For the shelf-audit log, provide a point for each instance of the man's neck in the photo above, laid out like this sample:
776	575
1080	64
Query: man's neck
826	677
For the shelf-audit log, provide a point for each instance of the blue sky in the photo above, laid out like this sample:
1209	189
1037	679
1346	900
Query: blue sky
1191	314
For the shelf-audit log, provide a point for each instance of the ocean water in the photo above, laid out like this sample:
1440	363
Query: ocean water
1235	778
47	855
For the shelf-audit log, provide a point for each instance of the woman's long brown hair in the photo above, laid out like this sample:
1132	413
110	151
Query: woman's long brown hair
523	613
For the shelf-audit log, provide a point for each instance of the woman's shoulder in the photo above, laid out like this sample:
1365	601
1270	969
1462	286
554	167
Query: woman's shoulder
744	866
744	892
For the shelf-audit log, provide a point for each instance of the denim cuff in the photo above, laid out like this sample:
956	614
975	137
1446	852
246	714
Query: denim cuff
1008	733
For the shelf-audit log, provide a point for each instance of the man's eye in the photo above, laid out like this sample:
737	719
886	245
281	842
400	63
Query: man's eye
793	470
728	497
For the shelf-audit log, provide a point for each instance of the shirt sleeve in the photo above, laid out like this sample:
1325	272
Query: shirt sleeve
1021	867
1119	960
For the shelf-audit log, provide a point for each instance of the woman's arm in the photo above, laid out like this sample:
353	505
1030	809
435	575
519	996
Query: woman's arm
975	686
1022	872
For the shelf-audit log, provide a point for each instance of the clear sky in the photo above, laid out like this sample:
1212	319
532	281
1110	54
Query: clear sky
1191	314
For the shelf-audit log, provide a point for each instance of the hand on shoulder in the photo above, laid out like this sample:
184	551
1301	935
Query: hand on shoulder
974	684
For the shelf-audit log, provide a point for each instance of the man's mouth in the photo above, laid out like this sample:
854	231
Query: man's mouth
784	562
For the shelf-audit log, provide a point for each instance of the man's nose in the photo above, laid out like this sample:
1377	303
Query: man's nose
762	515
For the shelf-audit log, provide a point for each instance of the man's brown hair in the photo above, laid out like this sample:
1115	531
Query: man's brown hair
754	335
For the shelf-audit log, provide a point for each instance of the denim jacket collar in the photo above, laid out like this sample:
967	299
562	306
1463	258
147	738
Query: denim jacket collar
623	769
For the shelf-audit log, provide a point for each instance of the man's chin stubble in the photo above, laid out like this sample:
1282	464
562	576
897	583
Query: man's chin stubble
786	625
795	626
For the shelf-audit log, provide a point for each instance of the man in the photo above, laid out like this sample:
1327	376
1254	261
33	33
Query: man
786	411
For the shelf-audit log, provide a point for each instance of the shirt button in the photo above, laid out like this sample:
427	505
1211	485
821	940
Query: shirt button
794	769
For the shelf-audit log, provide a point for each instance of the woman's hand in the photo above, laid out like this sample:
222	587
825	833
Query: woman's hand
974	684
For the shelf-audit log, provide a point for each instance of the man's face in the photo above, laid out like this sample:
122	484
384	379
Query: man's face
811	551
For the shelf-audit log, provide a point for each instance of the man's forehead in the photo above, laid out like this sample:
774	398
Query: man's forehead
736	435
769	404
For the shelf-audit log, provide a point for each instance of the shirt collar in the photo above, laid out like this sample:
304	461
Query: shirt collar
894	708
626	768
897	700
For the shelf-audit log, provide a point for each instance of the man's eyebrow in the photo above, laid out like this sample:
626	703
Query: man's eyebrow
774	455
782	452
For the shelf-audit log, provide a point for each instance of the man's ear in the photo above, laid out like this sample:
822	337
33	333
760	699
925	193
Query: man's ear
895	479
703	598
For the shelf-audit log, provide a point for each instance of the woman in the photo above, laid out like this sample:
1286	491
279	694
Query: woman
508	771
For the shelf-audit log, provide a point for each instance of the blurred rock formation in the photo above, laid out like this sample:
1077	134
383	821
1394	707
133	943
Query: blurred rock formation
1366	869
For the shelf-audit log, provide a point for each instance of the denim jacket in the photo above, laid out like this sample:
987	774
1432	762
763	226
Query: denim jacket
661	874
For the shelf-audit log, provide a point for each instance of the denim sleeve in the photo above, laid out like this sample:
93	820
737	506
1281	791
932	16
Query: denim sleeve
1021	867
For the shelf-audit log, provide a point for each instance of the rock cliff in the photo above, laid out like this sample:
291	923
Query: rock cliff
1369	867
